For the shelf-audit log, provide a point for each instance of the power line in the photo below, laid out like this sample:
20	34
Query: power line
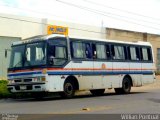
100	13
72	18
42	23
22	20
94	12
33	11
122	15
121	10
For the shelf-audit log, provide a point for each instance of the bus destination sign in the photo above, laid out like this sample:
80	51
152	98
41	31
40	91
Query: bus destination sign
53	29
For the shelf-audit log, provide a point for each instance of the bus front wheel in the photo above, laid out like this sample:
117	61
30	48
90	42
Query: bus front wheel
69	90
97	92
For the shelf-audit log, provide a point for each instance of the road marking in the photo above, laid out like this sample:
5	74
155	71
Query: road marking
91	109
84	110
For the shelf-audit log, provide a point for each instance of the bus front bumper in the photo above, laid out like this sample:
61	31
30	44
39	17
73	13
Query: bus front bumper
27	87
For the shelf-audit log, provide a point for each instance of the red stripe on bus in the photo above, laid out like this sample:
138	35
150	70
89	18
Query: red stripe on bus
78	69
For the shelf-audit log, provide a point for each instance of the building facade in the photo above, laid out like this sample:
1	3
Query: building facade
15	28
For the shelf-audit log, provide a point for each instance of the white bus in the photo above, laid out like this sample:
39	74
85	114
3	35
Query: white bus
56	63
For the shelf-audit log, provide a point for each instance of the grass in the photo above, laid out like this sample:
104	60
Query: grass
157	72
4	93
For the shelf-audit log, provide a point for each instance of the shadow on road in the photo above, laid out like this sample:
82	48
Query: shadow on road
57	97
155	100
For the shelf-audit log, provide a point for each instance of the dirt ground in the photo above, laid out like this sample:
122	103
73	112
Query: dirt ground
155	85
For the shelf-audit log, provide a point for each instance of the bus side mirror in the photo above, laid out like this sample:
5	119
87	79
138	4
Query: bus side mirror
5	53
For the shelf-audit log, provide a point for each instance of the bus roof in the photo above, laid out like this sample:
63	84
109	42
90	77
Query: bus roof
46	37
113	41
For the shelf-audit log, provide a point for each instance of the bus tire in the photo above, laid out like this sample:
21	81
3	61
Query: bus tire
69	90
126	86
97	92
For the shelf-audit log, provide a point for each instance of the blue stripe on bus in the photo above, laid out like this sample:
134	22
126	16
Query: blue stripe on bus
26	73
83	73
99	73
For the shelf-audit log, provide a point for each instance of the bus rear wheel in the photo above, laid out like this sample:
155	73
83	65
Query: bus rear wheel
69	90
97	92
126	86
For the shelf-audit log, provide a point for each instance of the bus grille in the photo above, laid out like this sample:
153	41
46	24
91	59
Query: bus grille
23	80
27	80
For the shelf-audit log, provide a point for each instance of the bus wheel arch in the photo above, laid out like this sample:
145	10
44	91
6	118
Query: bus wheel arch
74	80
69	87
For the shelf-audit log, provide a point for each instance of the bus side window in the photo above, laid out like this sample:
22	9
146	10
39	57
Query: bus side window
101	51
137	53
119	52
146	54
125	52
94	52
149	52
108	54
133	53
77	50
112	51
88	50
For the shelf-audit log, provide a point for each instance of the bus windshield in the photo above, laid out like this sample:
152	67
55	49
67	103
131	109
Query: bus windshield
32	54
35	54
17	56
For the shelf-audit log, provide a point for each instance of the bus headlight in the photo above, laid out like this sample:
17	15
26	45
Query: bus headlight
39	79
43	79
11	81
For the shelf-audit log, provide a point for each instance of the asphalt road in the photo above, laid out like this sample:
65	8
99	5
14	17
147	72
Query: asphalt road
141	100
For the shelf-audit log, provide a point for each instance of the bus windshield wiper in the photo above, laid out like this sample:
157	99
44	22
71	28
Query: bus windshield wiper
18	63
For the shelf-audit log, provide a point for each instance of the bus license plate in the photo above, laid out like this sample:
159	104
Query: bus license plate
23	87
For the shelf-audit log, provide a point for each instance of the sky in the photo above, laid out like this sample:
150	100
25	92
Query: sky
135	15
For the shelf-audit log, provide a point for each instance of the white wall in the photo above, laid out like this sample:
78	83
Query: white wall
5	43
17	26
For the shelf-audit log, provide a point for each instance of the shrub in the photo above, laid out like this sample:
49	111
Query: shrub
157	72
4	93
